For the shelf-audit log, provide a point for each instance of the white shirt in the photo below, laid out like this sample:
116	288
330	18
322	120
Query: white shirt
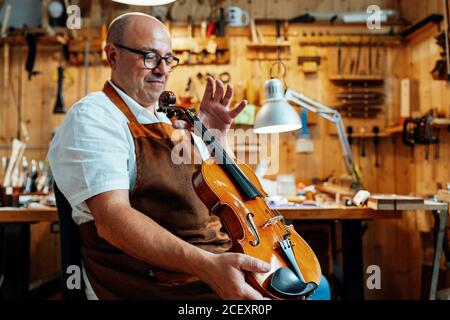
93	152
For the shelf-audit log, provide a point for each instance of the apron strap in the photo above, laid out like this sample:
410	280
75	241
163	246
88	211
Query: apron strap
112	94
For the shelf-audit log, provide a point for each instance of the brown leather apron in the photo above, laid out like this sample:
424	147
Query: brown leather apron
163	191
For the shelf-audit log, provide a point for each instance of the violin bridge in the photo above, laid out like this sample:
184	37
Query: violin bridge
272	221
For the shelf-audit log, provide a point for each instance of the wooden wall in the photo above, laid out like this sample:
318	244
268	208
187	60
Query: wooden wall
286	9
414	11
396	246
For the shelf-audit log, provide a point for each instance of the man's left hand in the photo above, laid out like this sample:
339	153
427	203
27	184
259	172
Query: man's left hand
214	108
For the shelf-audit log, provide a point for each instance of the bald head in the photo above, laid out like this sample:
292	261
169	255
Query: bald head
127	21
132	39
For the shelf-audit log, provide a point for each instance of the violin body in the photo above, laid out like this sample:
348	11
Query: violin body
233	192
220	195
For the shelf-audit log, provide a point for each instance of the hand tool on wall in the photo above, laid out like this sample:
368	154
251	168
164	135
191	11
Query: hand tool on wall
5	21
4	165
362	142
278	30
253	31
59	107
437	142
370	56
186	99
358	57
376	142
278	38
350	135
210	29
414	133
23	174
203	29
346	55
31	57
6	51
425	135
286	30
377	58
339	57
59	104
18	147
447	24
33	175
410	134
22	130
429	134
362	146
220	25
352	65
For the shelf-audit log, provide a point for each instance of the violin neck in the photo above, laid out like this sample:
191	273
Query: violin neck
213	146
223	159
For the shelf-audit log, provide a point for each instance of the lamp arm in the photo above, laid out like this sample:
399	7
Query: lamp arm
333	116
346	149
310	105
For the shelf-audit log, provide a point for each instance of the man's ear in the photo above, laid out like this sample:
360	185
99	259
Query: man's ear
111	55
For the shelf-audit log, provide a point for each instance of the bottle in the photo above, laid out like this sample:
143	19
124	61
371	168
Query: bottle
33	176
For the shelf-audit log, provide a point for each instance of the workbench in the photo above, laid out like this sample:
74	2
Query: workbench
15	250
351	218
15	226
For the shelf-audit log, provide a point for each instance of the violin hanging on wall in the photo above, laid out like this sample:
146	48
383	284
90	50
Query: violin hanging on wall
233	192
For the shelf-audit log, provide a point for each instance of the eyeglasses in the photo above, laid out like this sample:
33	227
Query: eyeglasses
152	59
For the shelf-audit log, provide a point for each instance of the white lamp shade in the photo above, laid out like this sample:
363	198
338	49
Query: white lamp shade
276	115
145	2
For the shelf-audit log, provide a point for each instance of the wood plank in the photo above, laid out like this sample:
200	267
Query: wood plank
331	213
45	261
9	214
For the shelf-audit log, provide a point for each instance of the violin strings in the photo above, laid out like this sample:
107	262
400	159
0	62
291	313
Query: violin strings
281	225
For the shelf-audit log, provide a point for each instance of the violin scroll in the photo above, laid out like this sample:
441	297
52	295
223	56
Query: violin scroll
167	98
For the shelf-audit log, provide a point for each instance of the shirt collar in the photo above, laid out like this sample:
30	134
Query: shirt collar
142	115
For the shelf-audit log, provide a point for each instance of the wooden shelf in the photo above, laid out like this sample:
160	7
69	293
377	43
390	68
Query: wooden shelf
268	59
20	40
435	122
367	135
190	43
423	25
269	45
394	129
356	77
269	51
350	40
441	122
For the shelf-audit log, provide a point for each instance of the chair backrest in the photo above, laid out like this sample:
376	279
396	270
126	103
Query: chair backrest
70	248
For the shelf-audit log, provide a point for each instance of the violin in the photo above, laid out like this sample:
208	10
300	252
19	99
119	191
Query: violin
232	191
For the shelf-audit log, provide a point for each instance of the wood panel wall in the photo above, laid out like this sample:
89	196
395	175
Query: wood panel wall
414	11
396	246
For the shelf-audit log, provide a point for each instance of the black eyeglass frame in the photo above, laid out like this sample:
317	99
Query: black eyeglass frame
145	53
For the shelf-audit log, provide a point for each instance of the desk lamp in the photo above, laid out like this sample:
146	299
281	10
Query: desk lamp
277	115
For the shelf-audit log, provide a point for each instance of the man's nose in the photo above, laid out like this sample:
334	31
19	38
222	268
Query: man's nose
162	69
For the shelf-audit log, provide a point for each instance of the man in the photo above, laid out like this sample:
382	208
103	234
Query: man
141	223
